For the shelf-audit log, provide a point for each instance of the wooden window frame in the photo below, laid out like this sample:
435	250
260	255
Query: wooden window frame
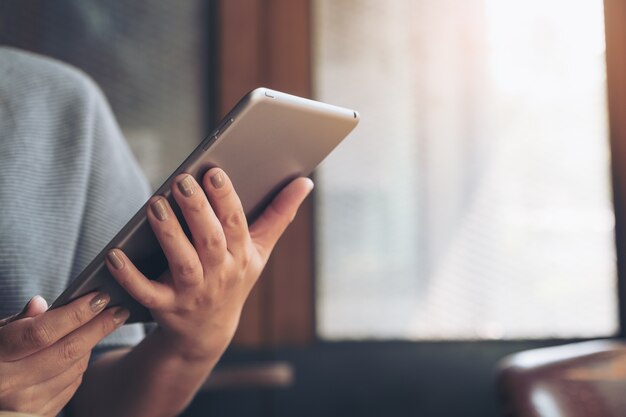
615	28
268	42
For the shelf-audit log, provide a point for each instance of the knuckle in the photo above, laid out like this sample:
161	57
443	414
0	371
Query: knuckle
201	299
149	301
37	335
187	267
234	220
186	309
169	233
198	206
212	241
72	349
106	326
76	316
215	240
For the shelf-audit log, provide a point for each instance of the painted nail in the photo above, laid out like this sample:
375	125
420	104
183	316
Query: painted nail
186	186
218	180
115	259
100	301
159	209
120	315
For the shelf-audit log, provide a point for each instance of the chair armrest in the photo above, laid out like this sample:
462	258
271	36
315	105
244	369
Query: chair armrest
575	380
266	375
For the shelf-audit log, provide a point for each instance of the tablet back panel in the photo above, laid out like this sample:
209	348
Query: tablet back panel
267	140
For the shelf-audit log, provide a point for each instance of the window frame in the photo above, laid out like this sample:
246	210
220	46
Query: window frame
615	29
268	42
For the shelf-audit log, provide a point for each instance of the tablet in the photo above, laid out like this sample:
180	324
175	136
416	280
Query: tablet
268	139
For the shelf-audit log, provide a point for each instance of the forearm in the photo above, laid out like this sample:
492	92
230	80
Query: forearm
151	380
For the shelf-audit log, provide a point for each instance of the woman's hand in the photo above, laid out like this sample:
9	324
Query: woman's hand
197	304
43	354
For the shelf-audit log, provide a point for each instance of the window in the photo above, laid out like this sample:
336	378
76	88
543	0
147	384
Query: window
474	200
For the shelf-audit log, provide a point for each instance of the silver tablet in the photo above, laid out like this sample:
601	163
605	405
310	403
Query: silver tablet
265	141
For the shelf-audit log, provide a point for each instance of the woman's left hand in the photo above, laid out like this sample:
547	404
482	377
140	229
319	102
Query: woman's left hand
198	302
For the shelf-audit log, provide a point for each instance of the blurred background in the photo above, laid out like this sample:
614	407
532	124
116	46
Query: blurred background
472	214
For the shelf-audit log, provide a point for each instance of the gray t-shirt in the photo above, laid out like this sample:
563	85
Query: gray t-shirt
68	181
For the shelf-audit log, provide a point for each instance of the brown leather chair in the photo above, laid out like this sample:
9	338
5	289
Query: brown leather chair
578	380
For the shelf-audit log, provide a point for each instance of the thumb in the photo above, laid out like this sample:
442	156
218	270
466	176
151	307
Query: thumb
34	307
268	228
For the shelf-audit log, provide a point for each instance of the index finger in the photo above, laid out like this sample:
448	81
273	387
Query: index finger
26	336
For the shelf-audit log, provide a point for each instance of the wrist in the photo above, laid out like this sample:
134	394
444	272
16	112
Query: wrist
201	349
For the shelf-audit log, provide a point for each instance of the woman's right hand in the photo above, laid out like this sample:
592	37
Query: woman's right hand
43	354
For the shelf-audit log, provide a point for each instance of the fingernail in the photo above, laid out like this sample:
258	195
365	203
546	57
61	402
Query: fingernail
218	179
120	315
100	301
159	209
115	259
186	186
